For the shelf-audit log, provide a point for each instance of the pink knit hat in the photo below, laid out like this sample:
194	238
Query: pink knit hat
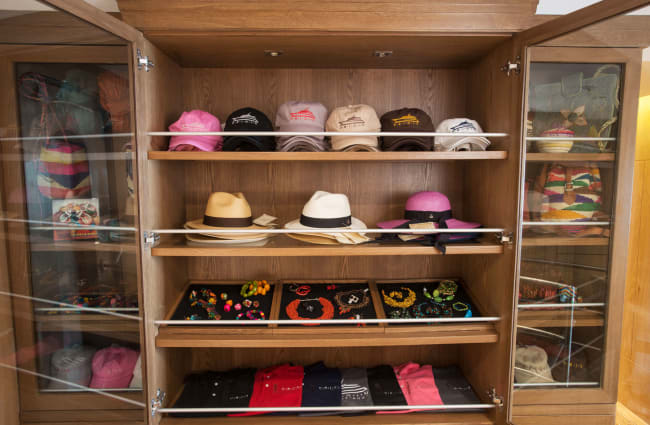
113	367
196	120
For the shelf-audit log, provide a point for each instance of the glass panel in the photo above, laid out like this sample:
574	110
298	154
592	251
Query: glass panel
572	151
69	310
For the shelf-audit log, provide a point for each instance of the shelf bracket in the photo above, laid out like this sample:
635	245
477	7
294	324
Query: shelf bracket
150	239
504	238
144	62
510	67
496	399
156	403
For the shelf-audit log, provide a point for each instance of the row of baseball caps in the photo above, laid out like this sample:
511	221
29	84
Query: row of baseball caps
308	117
81	365
317	385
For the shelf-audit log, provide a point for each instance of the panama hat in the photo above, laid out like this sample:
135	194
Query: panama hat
227	211
326	210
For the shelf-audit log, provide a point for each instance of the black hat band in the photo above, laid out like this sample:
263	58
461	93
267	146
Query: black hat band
325	223
227	221
434	216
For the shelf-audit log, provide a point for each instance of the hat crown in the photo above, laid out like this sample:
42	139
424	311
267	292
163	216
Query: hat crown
459	125
354	118
114	361
196	120
428	201
327	205
228	205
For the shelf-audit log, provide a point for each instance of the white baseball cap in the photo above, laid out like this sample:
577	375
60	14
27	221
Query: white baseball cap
465	141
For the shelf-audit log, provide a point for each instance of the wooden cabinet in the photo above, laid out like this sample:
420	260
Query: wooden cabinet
220	69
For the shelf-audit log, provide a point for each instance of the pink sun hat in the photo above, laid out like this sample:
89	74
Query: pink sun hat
196	120
428	207
113	367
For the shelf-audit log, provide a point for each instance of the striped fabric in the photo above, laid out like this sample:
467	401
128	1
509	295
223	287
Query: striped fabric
571	193
63	171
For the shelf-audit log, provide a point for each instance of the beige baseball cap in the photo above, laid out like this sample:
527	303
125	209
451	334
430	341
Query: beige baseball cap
353	118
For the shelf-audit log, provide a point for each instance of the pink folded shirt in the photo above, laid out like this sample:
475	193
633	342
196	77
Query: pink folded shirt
418	386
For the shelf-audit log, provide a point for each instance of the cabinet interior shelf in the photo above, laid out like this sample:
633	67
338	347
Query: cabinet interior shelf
325	336
560	318
285	247
98	324
564	241
477	418
326	156
570	157
82	246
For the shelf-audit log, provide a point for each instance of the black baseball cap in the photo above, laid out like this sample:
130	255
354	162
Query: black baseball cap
248	119
384	388
406	120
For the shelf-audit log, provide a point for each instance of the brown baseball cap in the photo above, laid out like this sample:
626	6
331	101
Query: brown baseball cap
406	120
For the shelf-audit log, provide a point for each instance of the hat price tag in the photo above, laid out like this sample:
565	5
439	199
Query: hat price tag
407	238
265	220
427	225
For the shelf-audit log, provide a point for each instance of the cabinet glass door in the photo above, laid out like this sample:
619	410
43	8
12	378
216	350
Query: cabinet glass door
576	177
69	305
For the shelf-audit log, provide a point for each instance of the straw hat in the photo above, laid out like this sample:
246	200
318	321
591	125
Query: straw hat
227	211
326	210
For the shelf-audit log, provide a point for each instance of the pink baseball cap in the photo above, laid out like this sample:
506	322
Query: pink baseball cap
113	367
196	120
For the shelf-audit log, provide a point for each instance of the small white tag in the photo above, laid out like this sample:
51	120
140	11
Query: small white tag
407	238
265	220
427	225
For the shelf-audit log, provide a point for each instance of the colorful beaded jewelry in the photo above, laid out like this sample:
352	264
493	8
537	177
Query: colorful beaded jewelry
353	300
247	303
568	294
237	306
223	296
328	310
250	315
301	290
392	298
256	304
400	314
210	305
458	306
446	291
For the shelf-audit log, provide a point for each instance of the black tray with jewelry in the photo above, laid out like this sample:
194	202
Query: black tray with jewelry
246	301
425	299
324	301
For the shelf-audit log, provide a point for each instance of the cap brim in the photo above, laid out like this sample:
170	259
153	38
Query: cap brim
480	143
414	143
111	382
360	148
247	143
344	143
202	143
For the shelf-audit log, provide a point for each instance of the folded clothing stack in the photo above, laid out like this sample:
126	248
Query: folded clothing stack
316	385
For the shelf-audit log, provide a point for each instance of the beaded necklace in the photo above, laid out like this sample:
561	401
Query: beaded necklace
328	310
392	298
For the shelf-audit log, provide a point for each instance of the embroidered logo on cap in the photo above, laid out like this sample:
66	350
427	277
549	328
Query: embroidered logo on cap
305	114
245	119
463	127
406	120
353	121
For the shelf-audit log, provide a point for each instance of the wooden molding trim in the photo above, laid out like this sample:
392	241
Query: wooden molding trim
577	20
97	17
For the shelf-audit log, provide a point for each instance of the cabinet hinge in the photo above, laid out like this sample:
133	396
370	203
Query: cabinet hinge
504	238
496	399
156	403
510	67
150	239
143	61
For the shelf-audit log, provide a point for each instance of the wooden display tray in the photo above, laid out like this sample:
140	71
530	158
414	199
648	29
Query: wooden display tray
272	335
560	318
282	246
478	418
326	156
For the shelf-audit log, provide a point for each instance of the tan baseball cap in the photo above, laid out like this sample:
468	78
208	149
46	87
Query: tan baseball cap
353	118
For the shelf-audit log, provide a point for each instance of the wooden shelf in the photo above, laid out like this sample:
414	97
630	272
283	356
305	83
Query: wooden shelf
326	156
286	247
81	246
325	336
100	324
478	418
559	318
570	157
564	241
